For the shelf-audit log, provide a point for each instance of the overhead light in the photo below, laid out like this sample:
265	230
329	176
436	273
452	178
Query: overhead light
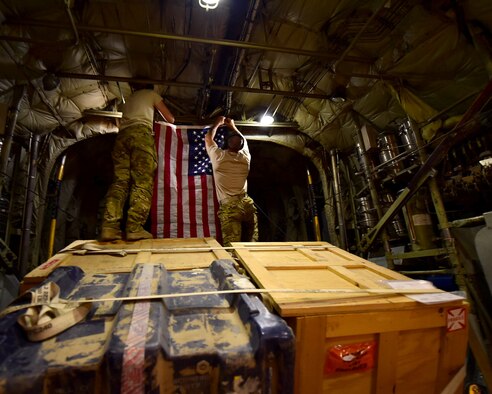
208	4
486	162
266	119
485	158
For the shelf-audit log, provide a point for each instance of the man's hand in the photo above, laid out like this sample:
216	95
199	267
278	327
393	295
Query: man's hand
229	122
219	121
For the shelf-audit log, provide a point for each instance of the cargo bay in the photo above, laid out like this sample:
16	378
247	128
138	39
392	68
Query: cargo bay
375	171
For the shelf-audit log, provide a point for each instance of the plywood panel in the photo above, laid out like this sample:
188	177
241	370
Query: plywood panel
316	266
416	351
309	360
121	256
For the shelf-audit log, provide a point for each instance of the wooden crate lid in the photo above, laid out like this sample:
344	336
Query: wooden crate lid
174	253
318	265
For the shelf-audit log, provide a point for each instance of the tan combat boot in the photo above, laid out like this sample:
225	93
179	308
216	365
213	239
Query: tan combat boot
109	234
138	235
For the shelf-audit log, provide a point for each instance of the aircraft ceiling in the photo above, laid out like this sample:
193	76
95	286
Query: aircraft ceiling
323	67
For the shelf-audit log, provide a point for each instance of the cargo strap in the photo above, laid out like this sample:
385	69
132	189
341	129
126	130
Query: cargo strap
89	248
354	292
47	315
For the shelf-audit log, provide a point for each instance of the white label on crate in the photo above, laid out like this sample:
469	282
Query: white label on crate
456	319
430	298
435	298
408	284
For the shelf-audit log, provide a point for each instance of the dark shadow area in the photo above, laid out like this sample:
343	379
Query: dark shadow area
277	182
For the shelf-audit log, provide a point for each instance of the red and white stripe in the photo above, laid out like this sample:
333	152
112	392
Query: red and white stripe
183	205
133	368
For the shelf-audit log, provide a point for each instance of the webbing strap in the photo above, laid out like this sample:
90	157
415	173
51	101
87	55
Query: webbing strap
48	314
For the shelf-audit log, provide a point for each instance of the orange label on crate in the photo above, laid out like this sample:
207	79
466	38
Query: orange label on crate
456	319
350	357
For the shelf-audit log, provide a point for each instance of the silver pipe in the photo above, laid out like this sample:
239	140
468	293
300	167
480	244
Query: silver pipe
338	202
200	40
374	196
206	90
239	58
15	175
25	250
191	85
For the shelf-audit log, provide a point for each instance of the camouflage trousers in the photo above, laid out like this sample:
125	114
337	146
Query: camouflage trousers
135	160
238	221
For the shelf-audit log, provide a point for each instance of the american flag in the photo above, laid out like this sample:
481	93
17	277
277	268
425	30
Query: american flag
184	203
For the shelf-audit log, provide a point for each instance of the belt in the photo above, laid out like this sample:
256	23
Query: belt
237	197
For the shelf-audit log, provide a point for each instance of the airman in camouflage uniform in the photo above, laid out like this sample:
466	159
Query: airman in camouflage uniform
135	160
238	220
237	212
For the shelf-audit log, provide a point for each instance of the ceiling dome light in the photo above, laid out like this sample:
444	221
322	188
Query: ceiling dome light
208	4
266	119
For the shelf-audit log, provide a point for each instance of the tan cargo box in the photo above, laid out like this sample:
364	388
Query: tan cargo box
358	343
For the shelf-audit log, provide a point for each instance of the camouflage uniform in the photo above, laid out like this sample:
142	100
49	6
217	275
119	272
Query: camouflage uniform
135	160
238	220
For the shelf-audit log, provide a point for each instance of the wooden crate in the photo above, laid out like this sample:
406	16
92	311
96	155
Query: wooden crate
414	347
121	256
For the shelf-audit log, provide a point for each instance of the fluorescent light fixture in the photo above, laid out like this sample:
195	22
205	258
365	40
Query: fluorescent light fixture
208	4
266	119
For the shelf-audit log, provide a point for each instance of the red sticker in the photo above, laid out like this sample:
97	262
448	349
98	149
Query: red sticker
48	264
456	319
353	357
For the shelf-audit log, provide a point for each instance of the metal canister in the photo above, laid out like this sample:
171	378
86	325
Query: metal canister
406	134
366	213
397	225
388	150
